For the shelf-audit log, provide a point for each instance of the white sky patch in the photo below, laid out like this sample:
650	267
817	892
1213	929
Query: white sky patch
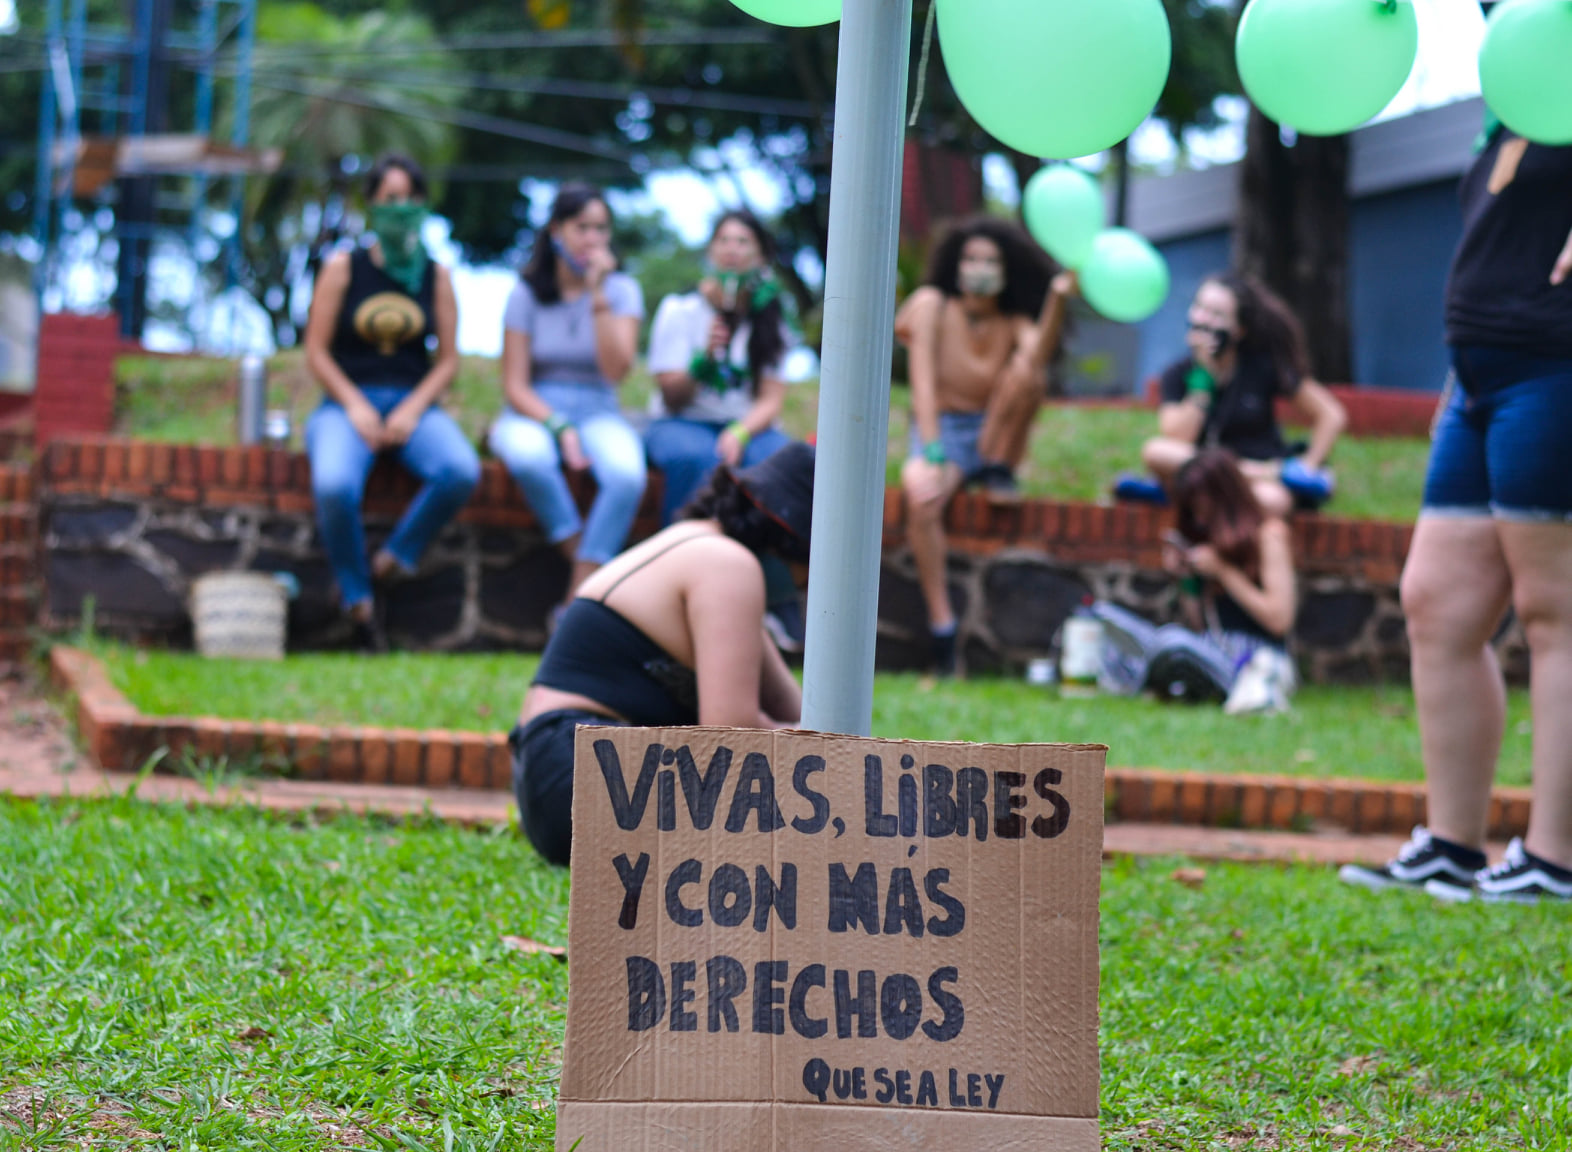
8	20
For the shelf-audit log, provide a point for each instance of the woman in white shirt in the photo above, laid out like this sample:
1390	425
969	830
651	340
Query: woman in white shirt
716	355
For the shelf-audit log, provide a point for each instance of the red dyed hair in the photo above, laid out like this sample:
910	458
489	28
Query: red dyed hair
1217	506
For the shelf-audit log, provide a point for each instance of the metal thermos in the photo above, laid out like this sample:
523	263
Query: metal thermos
253	398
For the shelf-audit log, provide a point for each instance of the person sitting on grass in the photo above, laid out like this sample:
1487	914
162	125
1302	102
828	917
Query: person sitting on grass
372	313
1247	350
1236	566
981	333
670	633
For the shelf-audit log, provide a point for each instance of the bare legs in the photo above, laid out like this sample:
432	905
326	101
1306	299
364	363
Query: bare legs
1007	425
1164	456
1461	575
925	533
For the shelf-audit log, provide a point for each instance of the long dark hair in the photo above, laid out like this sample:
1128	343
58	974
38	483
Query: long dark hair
766	342
724	500
540	272
1028	270
1217	506
1270	327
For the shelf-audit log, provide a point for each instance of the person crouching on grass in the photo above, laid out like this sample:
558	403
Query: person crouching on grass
670	633
981	333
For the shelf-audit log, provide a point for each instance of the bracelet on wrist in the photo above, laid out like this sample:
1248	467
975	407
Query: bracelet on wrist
739	432
934	453
557	424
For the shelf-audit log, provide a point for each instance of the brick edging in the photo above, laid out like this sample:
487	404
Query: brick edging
120	738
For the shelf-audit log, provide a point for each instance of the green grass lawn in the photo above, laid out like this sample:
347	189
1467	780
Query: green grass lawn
1345	732
1076	450
201	979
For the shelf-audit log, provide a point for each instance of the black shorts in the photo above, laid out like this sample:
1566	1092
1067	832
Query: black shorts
543	777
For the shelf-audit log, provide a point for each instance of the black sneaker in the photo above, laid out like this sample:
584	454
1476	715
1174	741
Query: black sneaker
1423	863
943	649
1520	878
997	482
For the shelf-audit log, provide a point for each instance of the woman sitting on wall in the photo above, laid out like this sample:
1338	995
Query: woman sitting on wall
1247	351
670	633
570	338
373	312
1236	567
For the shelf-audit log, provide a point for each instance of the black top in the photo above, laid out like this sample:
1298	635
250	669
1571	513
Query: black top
1517	215
1232	617
382	329
596	652
1242	416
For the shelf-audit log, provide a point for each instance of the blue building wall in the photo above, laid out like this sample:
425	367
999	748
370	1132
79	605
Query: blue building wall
1401	246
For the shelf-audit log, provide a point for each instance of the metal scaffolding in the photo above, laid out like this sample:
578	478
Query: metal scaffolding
110	85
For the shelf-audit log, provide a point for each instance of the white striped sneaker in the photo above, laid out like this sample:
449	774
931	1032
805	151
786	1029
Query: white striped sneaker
1520	878
1420	863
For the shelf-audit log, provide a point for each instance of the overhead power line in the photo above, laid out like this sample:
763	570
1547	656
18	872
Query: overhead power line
497	125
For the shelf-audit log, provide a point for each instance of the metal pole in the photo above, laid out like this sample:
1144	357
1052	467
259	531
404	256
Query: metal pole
44	176
854	397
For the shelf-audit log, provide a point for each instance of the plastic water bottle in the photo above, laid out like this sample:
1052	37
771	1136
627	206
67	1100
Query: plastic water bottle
1080	652
253	398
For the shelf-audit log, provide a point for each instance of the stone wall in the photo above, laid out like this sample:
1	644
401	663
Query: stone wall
131	524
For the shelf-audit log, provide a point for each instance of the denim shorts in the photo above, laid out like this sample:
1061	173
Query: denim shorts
959	432
543	777
1501	441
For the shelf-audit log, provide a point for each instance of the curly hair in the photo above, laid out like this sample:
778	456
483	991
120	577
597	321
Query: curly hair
765	342
724	500
1028	270
1270	327
388	161
540	273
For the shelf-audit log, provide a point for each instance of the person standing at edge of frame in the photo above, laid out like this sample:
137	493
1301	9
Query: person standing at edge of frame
1495	531
374	314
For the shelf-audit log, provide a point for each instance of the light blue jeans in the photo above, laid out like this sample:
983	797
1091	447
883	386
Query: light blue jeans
616	456
684	451
439	453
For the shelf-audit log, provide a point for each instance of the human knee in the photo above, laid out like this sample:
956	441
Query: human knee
1160	455
1544	608
1273	498
459	476
1440	610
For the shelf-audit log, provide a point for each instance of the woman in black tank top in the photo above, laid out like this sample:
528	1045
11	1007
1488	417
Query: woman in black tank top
376	316
601	668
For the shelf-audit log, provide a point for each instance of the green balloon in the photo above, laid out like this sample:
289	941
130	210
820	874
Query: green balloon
1324	67
793	13
1525	68
1057	78
1064	211
1126	279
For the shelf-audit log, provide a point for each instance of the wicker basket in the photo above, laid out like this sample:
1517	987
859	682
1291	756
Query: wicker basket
239	614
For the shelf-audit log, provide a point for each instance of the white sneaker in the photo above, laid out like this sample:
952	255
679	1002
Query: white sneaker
1263	685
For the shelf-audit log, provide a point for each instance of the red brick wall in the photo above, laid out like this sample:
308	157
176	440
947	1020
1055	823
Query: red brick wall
18	560
75	389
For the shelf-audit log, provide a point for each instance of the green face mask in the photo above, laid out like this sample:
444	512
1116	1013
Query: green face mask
398	228
757	289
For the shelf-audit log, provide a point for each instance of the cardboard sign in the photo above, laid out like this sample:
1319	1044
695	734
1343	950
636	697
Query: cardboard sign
790	941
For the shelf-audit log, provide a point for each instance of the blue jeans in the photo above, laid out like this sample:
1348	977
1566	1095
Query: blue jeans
438	453
1500	445
616	458
684	451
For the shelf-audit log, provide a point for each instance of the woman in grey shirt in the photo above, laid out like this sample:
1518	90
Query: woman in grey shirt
570	336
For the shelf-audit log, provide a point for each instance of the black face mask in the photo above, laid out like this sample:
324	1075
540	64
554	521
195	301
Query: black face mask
1222	338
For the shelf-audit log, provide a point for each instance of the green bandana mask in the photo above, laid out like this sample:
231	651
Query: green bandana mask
398	227
758	287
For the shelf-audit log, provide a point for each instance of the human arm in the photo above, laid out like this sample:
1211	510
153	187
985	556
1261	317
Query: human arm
1181	411
1042	342
327	301
1563	267
519	392
725	609
765	411
684	333
1273	600
1326	416
617	312
919	318
780	697
402	421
